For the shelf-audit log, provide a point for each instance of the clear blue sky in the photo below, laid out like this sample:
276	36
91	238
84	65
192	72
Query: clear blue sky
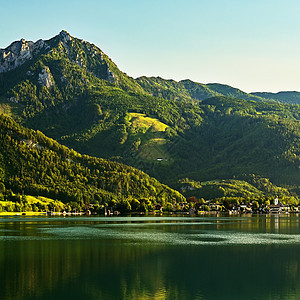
253	45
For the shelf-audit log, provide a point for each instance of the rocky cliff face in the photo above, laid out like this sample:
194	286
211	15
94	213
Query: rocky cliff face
45	78
18	53
48	63
21	51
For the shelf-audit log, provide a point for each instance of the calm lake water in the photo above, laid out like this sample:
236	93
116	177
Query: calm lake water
256	257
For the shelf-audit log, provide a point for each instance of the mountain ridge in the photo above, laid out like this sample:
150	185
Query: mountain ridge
189	90
19	52
291	97
168	129
78	51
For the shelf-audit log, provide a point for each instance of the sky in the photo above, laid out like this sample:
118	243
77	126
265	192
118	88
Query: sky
253	45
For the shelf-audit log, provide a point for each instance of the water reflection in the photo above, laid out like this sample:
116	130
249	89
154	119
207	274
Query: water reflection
197	258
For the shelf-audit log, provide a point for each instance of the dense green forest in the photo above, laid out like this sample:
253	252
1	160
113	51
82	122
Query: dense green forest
245	190
171	130
283	97
189	90
32	164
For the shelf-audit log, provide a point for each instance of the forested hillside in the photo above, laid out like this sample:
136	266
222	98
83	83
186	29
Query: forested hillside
71	91
33	164
283	97
244	190
190	90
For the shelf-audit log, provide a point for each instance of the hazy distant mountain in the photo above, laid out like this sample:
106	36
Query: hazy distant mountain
283	97
190	90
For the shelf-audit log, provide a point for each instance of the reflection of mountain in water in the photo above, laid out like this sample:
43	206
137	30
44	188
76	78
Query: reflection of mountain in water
39	264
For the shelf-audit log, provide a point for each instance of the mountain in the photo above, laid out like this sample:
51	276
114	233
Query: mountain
283	97
71	91
59	52
229	91
34	164
188	90
238	136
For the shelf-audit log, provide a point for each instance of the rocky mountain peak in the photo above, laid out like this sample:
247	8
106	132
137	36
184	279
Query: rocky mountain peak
64	36
18	53
63	47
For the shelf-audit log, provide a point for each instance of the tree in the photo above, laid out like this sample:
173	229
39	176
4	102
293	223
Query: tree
169	206
227	205
2	188
255	205
206	208
202	201
135	204
124	206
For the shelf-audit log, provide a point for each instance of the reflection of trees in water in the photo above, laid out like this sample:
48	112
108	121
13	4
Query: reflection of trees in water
34	268
117	269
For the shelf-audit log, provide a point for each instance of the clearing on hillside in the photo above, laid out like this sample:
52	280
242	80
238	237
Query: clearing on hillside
139	121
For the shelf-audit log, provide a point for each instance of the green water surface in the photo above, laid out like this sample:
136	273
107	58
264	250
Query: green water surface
255	257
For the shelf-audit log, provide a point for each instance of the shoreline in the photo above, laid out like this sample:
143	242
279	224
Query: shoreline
22	214
166	214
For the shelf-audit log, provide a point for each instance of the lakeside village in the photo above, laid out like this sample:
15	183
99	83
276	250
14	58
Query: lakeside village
16	204
193	206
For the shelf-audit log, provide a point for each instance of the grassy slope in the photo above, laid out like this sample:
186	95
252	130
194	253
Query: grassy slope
43	202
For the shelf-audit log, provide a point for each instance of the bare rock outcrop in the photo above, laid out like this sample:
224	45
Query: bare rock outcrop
18	53
45	77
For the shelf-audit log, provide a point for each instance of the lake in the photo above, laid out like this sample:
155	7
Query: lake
207	257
